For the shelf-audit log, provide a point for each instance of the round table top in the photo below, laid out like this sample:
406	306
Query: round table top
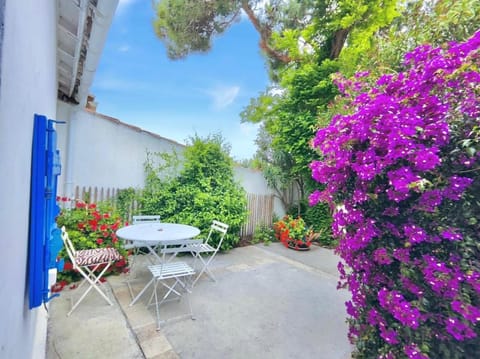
157	232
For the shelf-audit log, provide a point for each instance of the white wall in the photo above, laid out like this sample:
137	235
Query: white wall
254	182
28	86
103	151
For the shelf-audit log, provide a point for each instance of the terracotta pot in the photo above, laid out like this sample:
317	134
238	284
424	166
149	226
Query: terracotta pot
297	247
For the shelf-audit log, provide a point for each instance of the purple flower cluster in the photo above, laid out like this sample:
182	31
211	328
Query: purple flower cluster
414	233
459	330
469	312
401	309
386	173
376	319
443	280
413	352
381	256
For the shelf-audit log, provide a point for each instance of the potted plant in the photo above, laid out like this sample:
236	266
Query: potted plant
293	233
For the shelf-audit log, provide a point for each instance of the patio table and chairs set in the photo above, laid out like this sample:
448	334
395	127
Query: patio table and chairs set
162	242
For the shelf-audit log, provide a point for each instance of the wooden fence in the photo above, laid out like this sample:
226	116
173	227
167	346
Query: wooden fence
96	194
260	207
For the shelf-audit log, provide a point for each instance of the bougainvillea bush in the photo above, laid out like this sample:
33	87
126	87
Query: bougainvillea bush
89	225
401	168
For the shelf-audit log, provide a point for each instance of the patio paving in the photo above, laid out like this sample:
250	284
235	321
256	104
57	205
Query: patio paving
268	302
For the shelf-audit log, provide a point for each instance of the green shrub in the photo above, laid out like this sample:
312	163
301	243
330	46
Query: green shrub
124	201
204	189
263	233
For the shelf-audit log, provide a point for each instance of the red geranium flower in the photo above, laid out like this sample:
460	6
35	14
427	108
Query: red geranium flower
81	205
97	215
93	224
57	287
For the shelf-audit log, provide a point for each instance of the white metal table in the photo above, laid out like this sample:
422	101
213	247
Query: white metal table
155	233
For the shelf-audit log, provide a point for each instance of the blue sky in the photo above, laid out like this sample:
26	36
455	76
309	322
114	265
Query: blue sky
204	93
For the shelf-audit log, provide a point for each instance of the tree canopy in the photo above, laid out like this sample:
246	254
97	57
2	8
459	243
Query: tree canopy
305	44
187	26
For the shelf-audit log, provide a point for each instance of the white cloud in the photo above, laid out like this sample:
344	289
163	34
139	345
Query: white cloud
123	5
124	48
223	96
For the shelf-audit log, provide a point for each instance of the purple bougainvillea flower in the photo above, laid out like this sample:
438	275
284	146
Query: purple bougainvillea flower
457	186
426	160
451	235
402	178
430	200
413	352
381	256
458	329
414	233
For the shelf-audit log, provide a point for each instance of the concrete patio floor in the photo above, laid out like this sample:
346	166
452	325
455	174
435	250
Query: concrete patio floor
267	302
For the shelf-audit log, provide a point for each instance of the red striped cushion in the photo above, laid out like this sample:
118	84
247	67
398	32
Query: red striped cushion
95	256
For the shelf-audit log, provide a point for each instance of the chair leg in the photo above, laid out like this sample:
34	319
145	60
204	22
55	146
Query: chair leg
157	303
157	306
135	253
205	269
187	294
131	275
164	299
141	293
93	280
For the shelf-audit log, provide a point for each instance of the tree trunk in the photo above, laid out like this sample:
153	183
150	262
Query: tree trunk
338	41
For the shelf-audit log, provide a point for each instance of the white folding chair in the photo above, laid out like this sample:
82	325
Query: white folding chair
206	248
145	219
186	245
135	246
86	262
169	275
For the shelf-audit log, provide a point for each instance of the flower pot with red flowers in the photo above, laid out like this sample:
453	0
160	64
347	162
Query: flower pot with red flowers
293	233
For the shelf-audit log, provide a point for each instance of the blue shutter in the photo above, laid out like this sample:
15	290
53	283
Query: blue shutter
44	236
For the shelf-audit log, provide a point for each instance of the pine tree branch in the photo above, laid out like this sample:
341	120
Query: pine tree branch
265	35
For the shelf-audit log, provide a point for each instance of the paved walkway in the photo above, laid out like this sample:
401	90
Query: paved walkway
268	302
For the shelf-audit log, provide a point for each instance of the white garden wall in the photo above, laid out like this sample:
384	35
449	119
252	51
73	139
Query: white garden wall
104	152
254	182
28	86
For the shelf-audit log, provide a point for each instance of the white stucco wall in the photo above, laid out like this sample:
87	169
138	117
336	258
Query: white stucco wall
254	182
103	151
28	86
